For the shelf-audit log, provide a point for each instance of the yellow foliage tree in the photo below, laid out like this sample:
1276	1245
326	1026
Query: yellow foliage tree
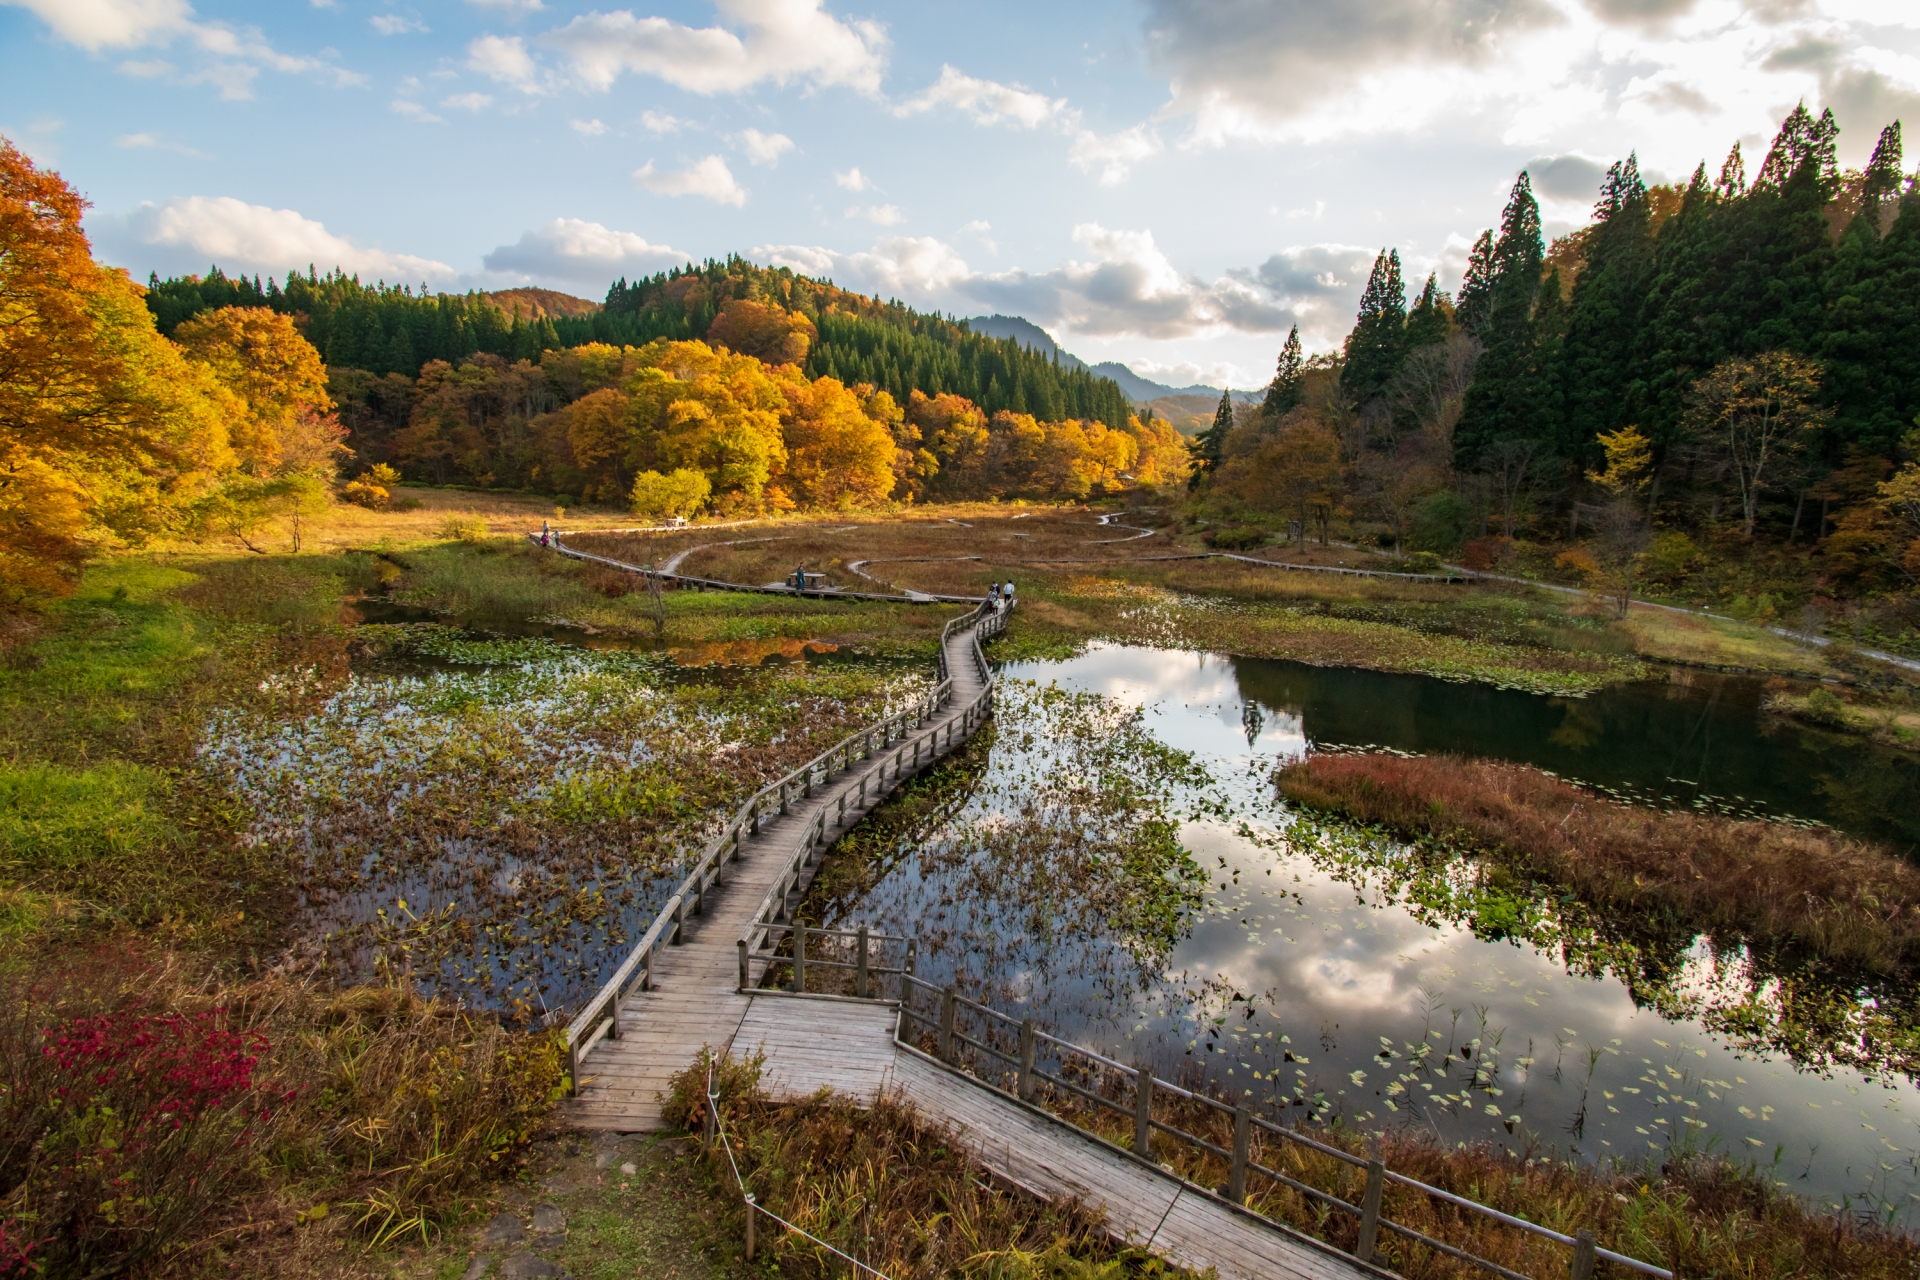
106	433
710	411
837	456
259	356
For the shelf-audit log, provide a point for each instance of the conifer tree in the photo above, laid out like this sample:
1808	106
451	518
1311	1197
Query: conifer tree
1775	295
1430	321
1500	404
1873	311
1376	347
1683	334
1476	287
1287	391
1605	314
1205	448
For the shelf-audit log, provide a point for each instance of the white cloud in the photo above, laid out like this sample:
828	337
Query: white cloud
901	267
413	111
708	177
1115	154
987	101
230	56
577	252
781	41
153	142
886	215
853	180
505	59
587	128
392	24
983	232
1680	79
1130	287
660	122
468	101
764	148
512	7
196	230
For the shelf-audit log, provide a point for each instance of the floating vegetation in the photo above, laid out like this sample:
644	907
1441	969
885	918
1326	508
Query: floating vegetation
500	829
1059	857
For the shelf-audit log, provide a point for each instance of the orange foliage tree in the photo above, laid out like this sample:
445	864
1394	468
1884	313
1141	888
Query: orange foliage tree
106	433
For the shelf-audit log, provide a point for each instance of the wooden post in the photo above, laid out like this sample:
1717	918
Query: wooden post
1143	1112
913	956
799	954
752	1213
949	1010
646	970
860	966
1029	1043
1370	1209
1583	1255
744	969
1242	1146
679	921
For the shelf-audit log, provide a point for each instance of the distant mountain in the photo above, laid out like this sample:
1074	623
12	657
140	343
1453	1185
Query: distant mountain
1139	390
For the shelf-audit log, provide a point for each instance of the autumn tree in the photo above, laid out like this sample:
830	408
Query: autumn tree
106	432
1753	416
261	358
1622	516
762	330
837	456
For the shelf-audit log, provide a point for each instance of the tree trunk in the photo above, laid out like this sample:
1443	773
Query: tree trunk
1799	505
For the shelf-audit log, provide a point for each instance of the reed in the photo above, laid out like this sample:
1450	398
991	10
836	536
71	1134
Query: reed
1834	896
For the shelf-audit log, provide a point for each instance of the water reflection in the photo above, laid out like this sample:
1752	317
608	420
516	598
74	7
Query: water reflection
1321	988
1697	734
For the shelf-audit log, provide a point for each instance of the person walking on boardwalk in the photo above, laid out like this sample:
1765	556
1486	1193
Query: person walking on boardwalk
993	597
799	579
1006	593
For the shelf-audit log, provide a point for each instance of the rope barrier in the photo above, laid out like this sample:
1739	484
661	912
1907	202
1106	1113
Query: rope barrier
753	1205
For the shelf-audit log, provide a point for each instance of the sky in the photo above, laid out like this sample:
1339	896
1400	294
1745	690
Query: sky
1168	183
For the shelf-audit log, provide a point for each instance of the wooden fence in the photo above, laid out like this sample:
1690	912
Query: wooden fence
1012	1055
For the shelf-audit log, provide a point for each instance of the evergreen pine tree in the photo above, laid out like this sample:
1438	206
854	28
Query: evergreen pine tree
1430	320
1375	348
1775	290
1287	390
1205	447
1499	403
1476	287
1871	309
1605	315
1684	333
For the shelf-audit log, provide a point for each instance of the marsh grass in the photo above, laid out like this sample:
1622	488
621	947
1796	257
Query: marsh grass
890	1187
371	1107
1835	896
1696	1214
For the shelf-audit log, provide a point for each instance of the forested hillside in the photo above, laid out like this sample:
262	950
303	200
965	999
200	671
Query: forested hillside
1691	393
385	329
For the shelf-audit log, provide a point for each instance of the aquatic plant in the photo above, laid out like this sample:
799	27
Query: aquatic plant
1834	896
500	827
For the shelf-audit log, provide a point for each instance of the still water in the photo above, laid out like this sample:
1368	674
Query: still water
1312	988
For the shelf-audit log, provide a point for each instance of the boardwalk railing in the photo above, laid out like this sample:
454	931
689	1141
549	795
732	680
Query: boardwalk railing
600	1017
714	584
757	942
1011	1055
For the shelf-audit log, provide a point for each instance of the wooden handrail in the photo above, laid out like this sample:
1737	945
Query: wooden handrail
1027	1071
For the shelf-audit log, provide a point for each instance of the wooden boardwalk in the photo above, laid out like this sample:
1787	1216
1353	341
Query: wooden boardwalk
694	998
813	1043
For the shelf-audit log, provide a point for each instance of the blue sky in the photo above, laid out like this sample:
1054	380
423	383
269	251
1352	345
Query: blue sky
1170	183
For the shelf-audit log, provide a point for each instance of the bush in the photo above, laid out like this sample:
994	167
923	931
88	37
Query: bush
1234	539
1439	523
361	493
678	493
467	527
1424	562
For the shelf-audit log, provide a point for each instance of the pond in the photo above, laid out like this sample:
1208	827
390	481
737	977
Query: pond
1292	965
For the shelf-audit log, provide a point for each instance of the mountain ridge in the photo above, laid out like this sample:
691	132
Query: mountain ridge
1141	390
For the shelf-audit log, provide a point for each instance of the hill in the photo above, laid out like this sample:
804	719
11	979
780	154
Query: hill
538	304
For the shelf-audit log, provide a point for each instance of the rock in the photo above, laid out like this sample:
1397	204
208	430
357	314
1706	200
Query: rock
505	1228
547	1219
477	1268
527	1266
629	1169
605	1158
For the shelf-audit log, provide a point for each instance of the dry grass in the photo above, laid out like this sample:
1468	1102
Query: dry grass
370	1107
1834	896
887	1186
1697	1216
